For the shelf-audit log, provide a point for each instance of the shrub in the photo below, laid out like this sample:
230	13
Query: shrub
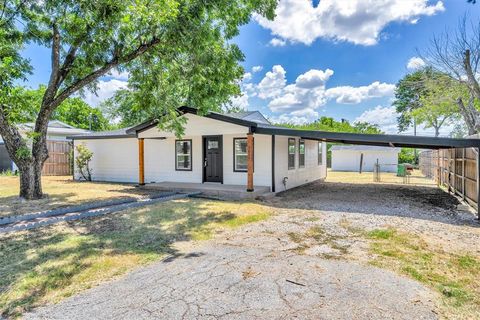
83	158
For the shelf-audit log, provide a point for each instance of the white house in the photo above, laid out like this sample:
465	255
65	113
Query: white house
57	132
241	149
347	158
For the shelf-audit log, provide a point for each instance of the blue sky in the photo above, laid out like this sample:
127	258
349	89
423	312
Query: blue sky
327	58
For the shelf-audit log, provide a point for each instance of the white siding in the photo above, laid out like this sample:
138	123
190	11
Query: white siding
262	161
160	161
349	160
298	176
113	159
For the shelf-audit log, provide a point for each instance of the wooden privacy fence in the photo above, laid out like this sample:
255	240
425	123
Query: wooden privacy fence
58	162
457	169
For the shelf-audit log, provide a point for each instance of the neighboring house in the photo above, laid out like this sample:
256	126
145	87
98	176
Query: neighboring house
347	158
57	143
214	149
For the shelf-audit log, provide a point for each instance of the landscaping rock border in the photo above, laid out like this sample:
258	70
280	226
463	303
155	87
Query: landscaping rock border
88	211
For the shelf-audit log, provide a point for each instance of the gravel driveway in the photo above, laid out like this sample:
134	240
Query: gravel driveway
259	271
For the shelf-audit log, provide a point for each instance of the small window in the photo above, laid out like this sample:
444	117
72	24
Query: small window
320	150
183	155
240	157
291	153
301	153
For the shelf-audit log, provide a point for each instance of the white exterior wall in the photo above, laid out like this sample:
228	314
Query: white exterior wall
349	160
262	161
113	160
298	176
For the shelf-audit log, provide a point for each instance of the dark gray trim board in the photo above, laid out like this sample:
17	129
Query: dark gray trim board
372	139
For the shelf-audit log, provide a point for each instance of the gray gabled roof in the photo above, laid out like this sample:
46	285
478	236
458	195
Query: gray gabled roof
112	134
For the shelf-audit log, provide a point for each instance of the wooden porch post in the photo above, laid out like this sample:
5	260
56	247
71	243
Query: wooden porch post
141	162
250	162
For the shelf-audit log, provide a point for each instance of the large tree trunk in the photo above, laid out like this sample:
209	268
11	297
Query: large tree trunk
28	160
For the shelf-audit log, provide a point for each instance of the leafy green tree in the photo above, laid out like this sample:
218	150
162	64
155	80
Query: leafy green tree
73	111
438	105
407	98
330	124
177	52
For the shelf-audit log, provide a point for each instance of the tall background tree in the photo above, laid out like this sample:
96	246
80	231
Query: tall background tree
177	52
457	54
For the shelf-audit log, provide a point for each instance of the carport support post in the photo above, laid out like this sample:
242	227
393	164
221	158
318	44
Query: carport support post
250	162
141	162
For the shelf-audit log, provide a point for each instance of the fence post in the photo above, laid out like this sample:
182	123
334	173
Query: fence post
463	173
478	183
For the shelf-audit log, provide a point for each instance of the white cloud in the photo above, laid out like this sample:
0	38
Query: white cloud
257	69
276	42
415	63
105	90
357	21
384	117
114	73
273	83
313	78
352	95
247	77
241	101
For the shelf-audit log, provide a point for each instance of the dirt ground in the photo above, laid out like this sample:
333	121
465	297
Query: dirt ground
331	250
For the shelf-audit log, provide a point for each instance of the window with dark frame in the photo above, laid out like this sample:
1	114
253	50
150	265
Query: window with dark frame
291	153
301	153
320	151
240	156
183	155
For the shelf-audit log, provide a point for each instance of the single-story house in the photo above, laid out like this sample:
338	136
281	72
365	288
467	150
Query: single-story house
350	158
223	149
57	143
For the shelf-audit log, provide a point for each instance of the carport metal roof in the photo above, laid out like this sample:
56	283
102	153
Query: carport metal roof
386	140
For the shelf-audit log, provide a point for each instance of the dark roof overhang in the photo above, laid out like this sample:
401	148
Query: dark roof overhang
386	140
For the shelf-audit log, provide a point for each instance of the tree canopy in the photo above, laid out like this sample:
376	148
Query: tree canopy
176	51
330	124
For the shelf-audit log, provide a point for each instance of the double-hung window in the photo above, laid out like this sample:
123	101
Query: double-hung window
301	153
183	155
291	153
240	158
320	150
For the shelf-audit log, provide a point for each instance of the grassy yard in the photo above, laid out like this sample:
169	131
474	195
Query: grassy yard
385	177
455	276
61	191
48	264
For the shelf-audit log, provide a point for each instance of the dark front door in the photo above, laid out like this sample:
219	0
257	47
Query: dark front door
213	159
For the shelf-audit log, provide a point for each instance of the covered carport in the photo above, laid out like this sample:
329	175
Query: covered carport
386	140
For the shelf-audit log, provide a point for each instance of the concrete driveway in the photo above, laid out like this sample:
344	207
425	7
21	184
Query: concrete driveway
259	271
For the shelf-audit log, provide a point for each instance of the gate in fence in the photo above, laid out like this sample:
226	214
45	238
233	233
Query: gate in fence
456	169
59	161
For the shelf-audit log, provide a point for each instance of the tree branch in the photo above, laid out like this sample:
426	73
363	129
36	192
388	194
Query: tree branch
115	61
470	75
12	137
55	73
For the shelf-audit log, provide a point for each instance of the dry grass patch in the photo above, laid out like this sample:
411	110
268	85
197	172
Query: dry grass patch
455	276
46	265
60	192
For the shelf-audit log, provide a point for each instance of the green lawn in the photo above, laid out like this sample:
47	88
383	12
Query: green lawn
454	276
45	265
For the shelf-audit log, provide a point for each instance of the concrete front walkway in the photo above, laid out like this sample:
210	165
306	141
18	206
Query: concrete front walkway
227	191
